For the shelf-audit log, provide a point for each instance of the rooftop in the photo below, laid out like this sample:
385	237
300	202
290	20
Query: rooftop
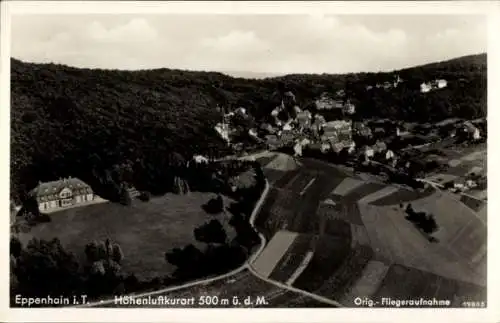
54	187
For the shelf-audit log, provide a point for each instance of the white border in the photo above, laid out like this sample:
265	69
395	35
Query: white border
490	8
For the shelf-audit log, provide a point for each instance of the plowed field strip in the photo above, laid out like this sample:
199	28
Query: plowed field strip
347	185
361	191
344	277
402	196
273	252
329	254
289	263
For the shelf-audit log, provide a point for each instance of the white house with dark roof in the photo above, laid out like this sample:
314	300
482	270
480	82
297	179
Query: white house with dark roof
63	193
425	87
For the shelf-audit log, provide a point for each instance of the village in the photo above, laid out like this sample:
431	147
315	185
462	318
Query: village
389	149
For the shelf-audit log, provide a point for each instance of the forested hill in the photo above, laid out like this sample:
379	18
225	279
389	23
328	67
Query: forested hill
70	121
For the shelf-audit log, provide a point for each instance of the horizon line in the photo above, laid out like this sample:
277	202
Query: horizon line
232	73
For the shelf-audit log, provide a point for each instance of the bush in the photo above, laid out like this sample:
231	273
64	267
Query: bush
211	232
214	206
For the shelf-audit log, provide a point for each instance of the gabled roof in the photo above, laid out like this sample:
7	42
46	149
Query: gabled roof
55	187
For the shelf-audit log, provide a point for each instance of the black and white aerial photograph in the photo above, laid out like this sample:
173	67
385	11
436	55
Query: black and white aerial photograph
248	160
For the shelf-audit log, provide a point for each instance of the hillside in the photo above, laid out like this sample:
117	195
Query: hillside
83	122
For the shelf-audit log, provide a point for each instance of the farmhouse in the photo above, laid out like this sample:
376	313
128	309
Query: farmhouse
440	83
62	193
425	87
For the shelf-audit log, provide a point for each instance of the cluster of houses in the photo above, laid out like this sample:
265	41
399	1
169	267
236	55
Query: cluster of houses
223	128
424	86
387	85
471	130
306	129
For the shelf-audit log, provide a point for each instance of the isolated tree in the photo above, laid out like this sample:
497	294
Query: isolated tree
211	232
214	205
188	261
92	251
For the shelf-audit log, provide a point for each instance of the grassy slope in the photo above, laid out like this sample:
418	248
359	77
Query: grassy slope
145	231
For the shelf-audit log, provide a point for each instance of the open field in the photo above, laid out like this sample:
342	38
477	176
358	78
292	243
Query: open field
292	205
329	253
359	236
462	234
402	196
346	186
145	231
266	159
344	211
342	274
360	192
368	284
472	203
406	283
290	262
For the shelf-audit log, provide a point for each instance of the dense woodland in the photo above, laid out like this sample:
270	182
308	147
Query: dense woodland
88	122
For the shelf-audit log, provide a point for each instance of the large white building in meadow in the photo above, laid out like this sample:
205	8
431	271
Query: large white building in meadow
66	192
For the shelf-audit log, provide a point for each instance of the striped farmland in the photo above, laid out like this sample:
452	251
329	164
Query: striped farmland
273	252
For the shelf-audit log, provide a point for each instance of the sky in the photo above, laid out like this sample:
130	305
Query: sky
266	44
